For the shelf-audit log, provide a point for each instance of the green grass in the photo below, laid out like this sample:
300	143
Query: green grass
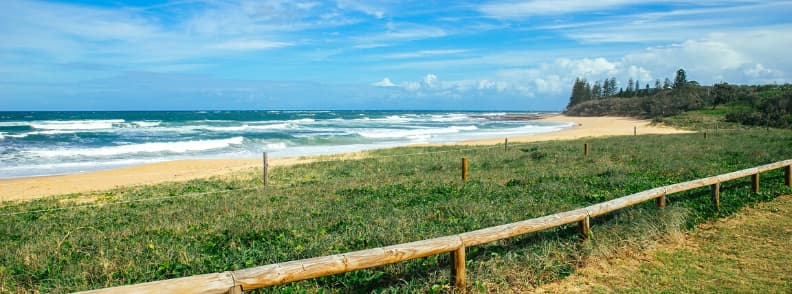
334	207
705	119
747	252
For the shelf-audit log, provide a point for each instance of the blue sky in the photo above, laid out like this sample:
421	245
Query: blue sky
346	54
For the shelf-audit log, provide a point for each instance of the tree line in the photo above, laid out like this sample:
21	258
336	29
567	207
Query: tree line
769	105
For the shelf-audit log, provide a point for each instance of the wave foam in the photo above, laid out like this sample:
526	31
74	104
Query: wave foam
246	128
76	124
415	133
164	147
276	146
146	123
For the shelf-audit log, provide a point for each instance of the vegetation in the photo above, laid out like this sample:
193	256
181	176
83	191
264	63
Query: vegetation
748	252
180	229
765	105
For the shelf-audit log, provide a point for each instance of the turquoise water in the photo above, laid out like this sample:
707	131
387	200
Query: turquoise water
49	143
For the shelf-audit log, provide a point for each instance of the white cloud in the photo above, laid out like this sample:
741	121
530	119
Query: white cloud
399	32
386	82
737	58
676	25
430	81
425	53
247	45
363	6
515	9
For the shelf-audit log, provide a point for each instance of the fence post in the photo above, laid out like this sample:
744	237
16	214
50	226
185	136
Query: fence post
755	182
464	169
458	269
265	169
506	144
705	134
715	194
235	290
635	131
585	149
661	201
584	228
788	175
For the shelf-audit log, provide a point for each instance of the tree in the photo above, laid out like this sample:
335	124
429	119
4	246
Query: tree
580	92
680	81
666	84
612	89
722	93
596	90
629	91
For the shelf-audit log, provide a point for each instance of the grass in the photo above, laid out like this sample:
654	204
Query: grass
339	206
705	119
746	252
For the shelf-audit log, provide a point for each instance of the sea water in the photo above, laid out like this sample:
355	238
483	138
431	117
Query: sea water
50	143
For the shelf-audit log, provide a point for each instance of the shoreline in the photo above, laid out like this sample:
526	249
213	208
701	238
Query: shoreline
183	170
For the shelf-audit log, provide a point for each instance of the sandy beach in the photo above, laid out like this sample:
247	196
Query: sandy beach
182	170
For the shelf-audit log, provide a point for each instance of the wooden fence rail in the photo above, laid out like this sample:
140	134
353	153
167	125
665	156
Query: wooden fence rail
285	272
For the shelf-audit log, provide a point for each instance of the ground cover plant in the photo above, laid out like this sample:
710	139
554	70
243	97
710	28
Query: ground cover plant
747	252
398	195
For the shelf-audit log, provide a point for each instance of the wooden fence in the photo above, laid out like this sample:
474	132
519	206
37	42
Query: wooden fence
285	272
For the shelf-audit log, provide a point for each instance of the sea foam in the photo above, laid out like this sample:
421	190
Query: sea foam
414	133
159	147
76	124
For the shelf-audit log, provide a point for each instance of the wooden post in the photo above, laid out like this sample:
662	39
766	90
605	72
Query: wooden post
661	201
458	269
788	175
584	228
235	290
506	144
755	182
265	169
635	131
464	169
705	134
585	149
715	191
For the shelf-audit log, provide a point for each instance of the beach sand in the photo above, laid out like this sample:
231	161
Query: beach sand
183	170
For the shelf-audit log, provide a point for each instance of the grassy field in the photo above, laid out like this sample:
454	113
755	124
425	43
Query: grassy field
203	226
709	120
747	252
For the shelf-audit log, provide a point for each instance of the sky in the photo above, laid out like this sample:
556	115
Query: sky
366	55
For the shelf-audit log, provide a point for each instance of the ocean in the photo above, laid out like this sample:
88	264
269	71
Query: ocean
52	143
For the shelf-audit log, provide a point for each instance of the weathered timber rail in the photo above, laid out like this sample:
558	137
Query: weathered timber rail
285	272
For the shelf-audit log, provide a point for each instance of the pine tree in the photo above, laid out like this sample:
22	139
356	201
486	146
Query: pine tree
612	90
629	91
580	92
596	90
680	81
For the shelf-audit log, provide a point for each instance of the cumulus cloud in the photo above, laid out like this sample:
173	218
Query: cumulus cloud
431	81
385	82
